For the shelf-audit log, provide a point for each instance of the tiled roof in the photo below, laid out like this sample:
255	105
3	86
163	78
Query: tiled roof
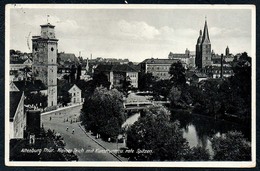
178	55
17	61
68	57
30	86
159	61
200	75
15	98
117	68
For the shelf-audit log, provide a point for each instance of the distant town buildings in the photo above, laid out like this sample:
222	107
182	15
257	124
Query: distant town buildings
158	67
117	74
188	58
44	68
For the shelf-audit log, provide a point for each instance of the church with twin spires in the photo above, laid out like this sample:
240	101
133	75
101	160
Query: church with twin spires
203	49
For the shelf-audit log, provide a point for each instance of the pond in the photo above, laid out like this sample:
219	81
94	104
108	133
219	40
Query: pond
199	129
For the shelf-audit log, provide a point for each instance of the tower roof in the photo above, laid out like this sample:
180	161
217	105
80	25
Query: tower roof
205	38
199	41
48	25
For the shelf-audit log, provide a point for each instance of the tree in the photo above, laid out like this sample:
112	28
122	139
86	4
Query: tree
103	113
65	98
67	78
72	74
154	137
126	85
210	102
100	79
197	154
78	72
175	96
231	147
146	81
37	99
161	88
177	72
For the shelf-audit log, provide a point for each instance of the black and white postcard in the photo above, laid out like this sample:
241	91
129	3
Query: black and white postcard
130	85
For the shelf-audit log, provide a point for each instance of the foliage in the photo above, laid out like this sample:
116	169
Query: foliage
180	97
197	154
154	133
177	72
67	78
231	147
72	74
100	79
126	85
103	113
65	98
228	97
161	87
146	81
38	99
78	72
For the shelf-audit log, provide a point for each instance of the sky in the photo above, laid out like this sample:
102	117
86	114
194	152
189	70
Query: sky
133	33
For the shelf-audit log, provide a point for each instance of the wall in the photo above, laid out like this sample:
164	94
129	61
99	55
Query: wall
19	121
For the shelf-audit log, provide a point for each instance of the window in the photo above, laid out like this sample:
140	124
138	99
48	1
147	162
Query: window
52	49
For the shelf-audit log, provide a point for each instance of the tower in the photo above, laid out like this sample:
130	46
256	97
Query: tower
198	59
44	50
206	47
203	48
227	51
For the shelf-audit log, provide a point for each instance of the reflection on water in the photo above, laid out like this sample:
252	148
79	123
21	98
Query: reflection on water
198	129
190	134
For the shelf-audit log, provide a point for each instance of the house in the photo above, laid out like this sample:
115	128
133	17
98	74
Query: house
17	116
158	67
28	86
66	60
75	92
18	64
197	78
188	57
20	69
118	73
75	89
217	72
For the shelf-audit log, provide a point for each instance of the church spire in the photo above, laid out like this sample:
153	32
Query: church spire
205	37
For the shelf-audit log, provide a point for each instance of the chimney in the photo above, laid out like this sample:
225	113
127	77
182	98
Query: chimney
221	66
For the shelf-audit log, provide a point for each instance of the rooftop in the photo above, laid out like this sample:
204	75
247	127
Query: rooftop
159	61
117	68
37	85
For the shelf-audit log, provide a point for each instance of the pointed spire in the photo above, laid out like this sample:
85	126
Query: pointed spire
199	41
205	38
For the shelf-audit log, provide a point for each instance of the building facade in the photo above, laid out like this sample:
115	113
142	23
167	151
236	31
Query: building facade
158	67
17	115
117	74
75	92
188	58
44	51
203	49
